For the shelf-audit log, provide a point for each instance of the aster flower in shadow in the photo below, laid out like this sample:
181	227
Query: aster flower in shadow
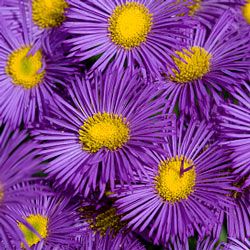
100	133
18	162
102	227
208	11
238	215
187	186
28	73
53	220
234	244
211	64
127	32
235	130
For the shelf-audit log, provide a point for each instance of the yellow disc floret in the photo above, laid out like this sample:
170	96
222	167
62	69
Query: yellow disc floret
194	6
24	69
176	179
48	13
107	220
130	24
104	130
194	64
246	11
39	223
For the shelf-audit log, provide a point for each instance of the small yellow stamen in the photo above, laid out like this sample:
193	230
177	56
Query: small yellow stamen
196	64
39	223
246	11
176	179
130	24
48	13
1	192
107	220
104	130
24	69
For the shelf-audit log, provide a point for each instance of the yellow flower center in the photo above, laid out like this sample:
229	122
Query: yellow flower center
176	179
23	69
104	130
130	24
246	11
196	64
39	223
194	7
48	13
107	220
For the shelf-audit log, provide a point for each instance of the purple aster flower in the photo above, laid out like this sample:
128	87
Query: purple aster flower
54	223
238	215
101	133
103	228
185	189
210	65
28	73
236	131
18	162
208	11
131	33
234	244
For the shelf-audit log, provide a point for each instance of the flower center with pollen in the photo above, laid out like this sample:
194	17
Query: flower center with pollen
194	6
193	65
130	24
39	223
23	69
104	130
246	11
176	179
107	220
48	13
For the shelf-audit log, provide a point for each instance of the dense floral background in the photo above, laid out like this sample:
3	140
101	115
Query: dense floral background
125	124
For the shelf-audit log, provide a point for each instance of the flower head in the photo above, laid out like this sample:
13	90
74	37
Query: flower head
238	214
103	228
29	72
235	130
129	32
99	136
208	11
18	162
209	66
187	187
49	221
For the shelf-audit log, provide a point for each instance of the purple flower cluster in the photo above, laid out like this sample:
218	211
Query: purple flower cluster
124	124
